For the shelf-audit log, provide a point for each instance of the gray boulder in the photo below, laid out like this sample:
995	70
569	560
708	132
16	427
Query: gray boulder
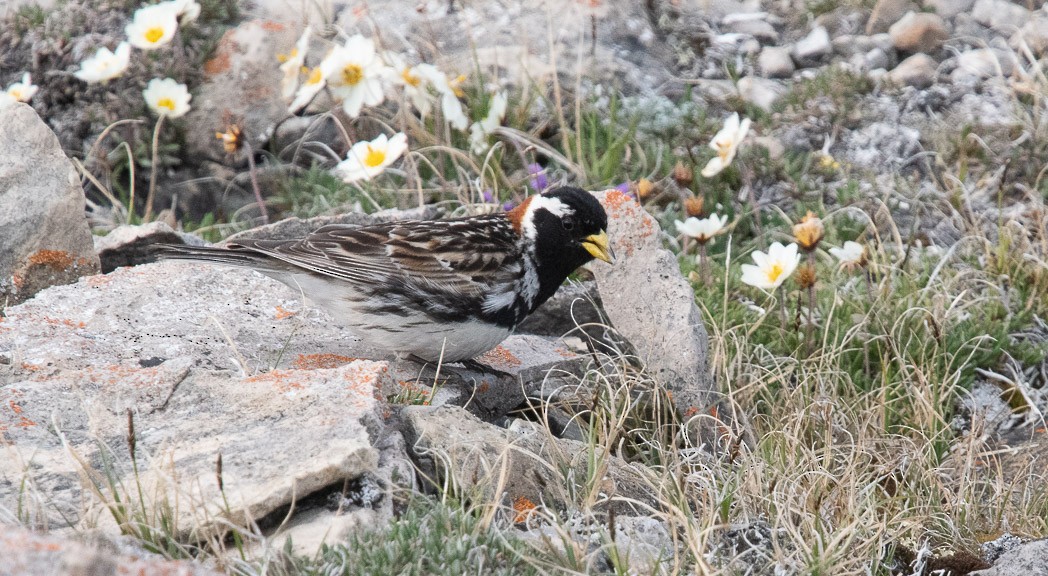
653	306
1027	559
44	236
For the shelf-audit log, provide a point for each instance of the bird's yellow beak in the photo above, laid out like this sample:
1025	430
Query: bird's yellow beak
597	246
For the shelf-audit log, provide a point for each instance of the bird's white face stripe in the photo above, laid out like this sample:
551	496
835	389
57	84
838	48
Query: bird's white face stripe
553	205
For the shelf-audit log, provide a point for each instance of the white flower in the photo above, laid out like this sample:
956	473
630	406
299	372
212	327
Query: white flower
851	255
105	65
365	160
773	268
23	91
415	80
726	143
479	131
315	82
454	114
354	74
152	26
186	10
293	63
167	97
702	230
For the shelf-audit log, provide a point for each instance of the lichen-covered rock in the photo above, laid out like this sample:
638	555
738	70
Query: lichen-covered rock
653	306
241	86
28	553
208	361
44	237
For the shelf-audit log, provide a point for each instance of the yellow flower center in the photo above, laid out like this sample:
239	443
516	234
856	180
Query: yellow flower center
154	34
315	76
409	78
352	74
166	103
774	272
723	149
285	57
16	94
374	158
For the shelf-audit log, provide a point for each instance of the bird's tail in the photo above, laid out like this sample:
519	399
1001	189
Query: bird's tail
231	256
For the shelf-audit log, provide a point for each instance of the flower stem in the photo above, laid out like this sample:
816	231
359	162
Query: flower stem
782	305
704	264
254	181
153	170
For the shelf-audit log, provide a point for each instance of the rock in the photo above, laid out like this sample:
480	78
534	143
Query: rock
499	381
644	541
811	49
949	8
653	306
775	62
919	32
974	66
887	12
753	24
210	361
851	44
242	85
1000	15
491	464
877	58
28	553
761	92
1033	34
130	245
883	41
776	149
918	71
875	145
1027	559
46	239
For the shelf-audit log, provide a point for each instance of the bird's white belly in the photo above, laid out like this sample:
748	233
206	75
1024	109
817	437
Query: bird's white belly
413	334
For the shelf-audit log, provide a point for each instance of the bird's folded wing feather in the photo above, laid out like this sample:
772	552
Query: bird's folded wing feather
452	255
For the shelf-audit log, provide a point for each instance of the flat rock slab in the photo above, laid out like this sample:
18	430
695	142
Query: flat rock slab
209	361
27	553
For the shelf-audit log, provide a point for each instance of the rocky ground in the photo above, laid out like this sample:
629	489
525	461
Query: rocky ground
148	411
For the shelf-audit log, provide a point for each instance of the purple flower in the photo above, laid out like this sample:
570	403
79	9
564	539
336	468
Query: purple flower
488	196
625	189
537	177
508	205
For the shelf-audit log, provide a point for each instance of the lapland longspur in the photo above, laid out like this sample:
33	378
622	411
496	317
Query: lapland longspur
449	289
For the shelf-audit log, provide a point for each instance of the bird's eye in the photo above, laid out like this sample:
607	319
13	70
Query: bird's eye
567	222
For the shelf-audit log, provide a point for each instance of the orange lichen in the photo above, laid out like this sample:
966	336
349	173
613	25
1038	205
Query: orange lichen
282	313
273	26
320	361
98	280
483	387
499	356
53	258
524	508
223	59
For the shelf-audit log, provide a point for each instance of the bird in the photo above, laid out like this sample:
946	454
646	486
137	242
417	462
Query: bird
434	290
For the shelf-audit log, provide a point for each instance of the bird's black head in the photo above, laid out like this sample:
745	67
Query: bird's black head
566	228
